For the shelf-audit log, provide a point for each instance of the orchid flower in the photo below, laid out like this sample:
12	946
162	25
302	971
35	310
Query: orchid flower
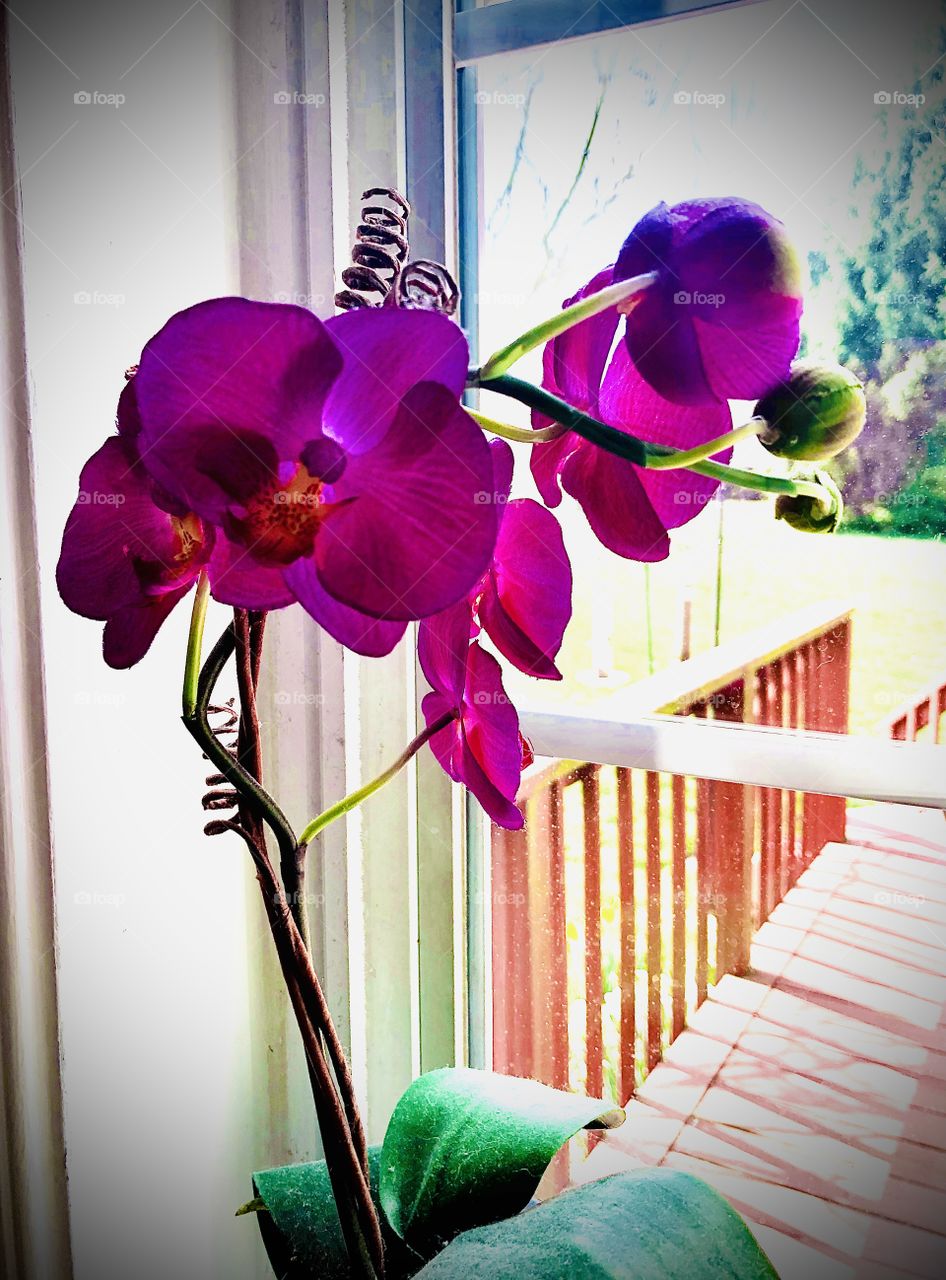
630	508
333	460
481	745
129	551
721	319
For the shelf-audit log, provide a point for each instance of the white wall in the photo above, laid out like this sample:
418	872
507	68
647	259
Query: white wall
136	202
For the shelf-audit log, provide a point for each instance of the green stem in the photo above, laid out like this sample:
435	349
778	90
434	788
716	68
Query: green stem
521	435
198	726
689	457
354	798
624	445
593	305
618	442
762	484
195	639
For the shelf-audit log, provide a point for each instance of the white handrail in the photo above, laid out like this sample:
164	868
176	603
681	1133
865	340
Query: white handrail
795	759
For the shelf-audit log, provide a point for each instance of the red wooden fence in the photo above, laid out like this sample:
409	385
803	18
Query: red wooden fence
692	867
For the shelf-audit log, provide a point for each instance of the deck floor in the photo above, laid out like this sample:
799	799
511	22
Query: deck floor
813	1093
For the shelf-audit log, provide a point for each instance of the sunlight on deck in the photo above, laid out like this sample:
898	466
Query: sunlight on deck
812	1094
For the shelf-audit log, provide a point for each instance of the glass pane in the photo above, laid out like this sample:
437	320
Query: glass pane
819	119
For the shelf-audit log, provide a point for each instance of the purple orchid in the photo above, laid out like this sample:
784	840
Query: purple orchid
481	746
129	552
334	460
722	319
629	508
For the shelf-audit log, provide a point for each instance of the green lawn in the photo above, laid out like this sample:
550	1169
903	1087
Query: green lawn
897	586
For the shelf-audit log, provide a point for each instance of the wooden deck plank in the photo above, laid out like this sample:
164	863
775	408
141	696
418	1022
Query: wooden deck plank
812	1093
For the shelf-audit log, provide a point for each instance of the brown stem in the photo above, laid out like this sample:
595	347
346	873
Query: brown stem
248	635
348	1174
337	1112
362	1229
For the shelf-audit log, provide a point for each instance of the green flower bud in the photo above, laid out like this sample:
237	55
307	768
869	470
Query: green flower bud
810	514
818	411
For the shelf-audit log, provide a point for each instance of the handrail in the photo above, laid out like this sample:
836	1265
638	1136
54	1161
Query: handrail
798	760
921	710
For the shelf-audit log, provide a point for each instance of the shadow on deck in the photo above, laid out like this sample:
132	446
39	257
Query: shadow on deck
812	1093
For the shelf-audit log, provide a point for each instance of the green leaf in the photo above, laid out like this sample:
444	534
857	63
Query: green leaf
300	1228
465	1148
650	1224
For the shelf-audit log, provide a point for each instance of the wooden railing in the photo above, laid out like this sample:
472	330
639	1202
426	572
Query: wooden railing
629	891
923	712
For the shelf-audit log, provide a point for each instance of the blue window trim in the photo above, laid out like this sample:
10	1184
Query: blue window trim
522	24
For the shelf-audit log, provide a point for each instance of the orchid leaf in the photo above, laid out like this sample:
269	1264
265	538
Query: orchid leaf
300	1228
465	1148
649	1224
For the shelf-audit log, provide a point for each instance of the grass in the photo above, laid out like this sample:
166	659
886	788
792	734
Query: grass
769	571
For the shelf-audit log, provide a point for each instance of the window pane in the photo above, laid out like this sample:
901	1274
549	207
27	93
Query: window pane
811	116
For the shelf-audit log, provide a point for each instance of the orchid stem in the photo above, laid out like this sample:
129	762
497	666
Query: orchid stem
521	435
195	640
551	406
355	798
689	457
198	725
612	296
623	445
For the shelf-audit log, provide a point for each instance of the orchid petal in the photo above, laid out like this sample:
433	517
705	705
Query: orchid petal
443	644
628	400
526	602
119	547
253	369
413	525
356	631
386	352
237	578
615	503
129	631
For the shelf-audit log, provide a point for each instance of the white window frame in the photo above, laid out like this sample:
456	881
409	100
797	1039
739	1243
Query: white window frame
386	886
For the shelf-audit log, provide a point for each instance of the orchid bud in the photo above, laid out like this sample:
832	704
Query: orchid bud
811	514
814	414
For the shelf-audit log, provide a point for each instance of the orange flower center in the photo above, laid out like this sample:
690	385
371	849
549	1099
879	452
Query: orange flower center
189	532
282	519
